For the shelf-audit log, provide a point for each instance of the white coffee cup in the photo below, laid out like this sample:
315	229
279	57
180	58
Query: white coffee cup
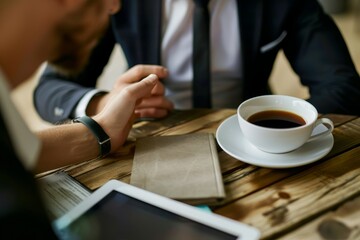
280	140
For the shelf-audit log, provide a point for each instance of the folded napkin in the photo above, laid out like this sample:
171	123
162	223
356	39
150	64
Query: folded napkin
182	167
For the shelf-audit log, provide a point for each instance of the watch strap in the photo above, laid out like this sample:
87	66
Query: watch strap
101	136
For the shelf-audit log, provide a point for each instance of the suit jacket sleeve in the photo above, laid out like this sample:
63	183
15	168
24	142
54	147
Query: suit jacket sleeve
319	55
57	95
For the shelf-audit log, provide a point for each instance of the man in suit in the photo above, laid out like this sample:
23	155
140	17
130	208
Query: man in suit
246	37
62	32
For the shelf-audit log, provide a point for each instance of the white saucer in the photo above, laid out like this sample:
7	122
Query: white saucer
231	140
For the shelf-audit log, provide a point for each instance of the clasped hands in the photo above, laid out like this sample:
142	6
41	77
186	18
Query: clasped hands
153	106
136	94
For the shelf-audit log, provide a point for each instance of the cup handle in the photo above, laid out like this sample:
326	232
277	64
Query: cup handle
329	125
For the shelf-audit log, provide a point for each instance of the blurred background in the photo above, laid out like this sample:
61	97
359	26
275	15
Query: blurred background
346	14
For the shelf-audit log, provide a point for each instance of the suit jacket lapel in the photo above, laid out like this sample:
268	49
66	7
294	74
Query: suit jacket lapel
138	30
250	17
150	30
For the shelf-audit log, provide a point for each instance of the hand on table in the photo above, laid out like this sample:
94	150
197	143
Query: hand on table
155	105
117	117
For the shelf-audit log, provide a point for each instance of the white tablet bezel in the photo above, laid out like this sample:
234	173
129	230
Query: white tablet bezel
240	230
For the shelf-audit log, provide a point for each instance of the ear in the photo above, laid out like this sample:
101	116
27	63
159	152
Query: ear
115	6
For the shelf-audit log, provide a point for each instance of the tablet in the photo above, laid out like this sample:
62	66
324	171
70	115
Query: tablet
121	211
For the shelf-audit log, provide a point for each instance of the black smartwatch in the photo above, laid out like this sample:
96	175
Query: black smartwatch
100	134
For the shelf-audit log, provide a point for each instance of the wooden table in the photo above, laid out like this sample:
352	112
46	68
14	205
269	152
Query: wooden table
317	201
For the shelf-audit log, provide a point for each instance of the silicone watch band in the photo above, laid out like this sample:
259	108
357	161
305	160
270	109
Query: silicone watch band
100	134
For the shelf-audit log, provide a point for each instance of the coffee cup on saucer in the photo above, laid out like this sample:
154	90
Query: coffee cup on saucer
279	123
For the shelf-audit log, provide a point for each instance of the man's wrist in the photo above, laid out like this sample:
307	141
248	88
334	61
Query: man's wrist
104	141
97	103
85	106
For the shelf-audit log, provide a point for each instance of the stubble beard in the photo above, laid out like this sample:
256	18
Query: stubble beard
72	55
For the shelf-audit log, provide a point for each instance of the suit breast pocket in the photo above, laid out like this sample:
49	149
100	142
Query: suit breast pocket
273	44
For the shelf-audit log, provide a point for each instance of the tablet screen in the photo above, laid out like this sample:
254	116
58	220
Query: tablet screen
118	216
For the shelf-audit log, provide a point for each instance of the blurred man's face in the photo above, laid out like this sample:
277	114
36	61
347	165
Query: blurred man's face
80	33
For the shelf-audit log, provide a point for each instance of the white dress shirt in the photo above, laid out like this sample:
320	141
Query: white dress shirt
25	143
176	54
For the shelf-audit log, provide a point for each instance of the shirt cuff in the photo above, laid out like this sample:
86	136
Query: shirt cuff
80	109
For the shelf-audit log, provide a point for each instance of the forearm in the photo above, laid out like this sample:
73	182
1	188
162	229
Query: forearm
73	143
97	103
64	145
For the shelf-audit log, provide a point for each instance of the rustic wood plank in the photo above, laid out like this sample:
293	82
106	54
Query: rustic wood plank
117	168
339	119
342	223
346	136
300	197
228	163
177	117
207	123
251	179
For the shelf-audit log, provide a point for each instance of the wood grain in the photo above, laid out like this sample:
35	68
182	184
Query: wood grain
315	201
300	197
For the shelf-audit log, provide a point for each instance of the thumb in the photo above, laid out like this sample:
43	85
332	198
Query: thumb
144	87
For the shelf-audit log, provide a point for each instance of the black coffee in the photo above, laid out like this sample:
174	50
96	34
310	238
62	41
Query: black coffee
276	119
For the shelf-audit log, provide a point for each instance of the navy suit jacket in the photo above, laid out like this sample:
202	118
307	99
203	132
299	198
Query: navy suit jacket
309	38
